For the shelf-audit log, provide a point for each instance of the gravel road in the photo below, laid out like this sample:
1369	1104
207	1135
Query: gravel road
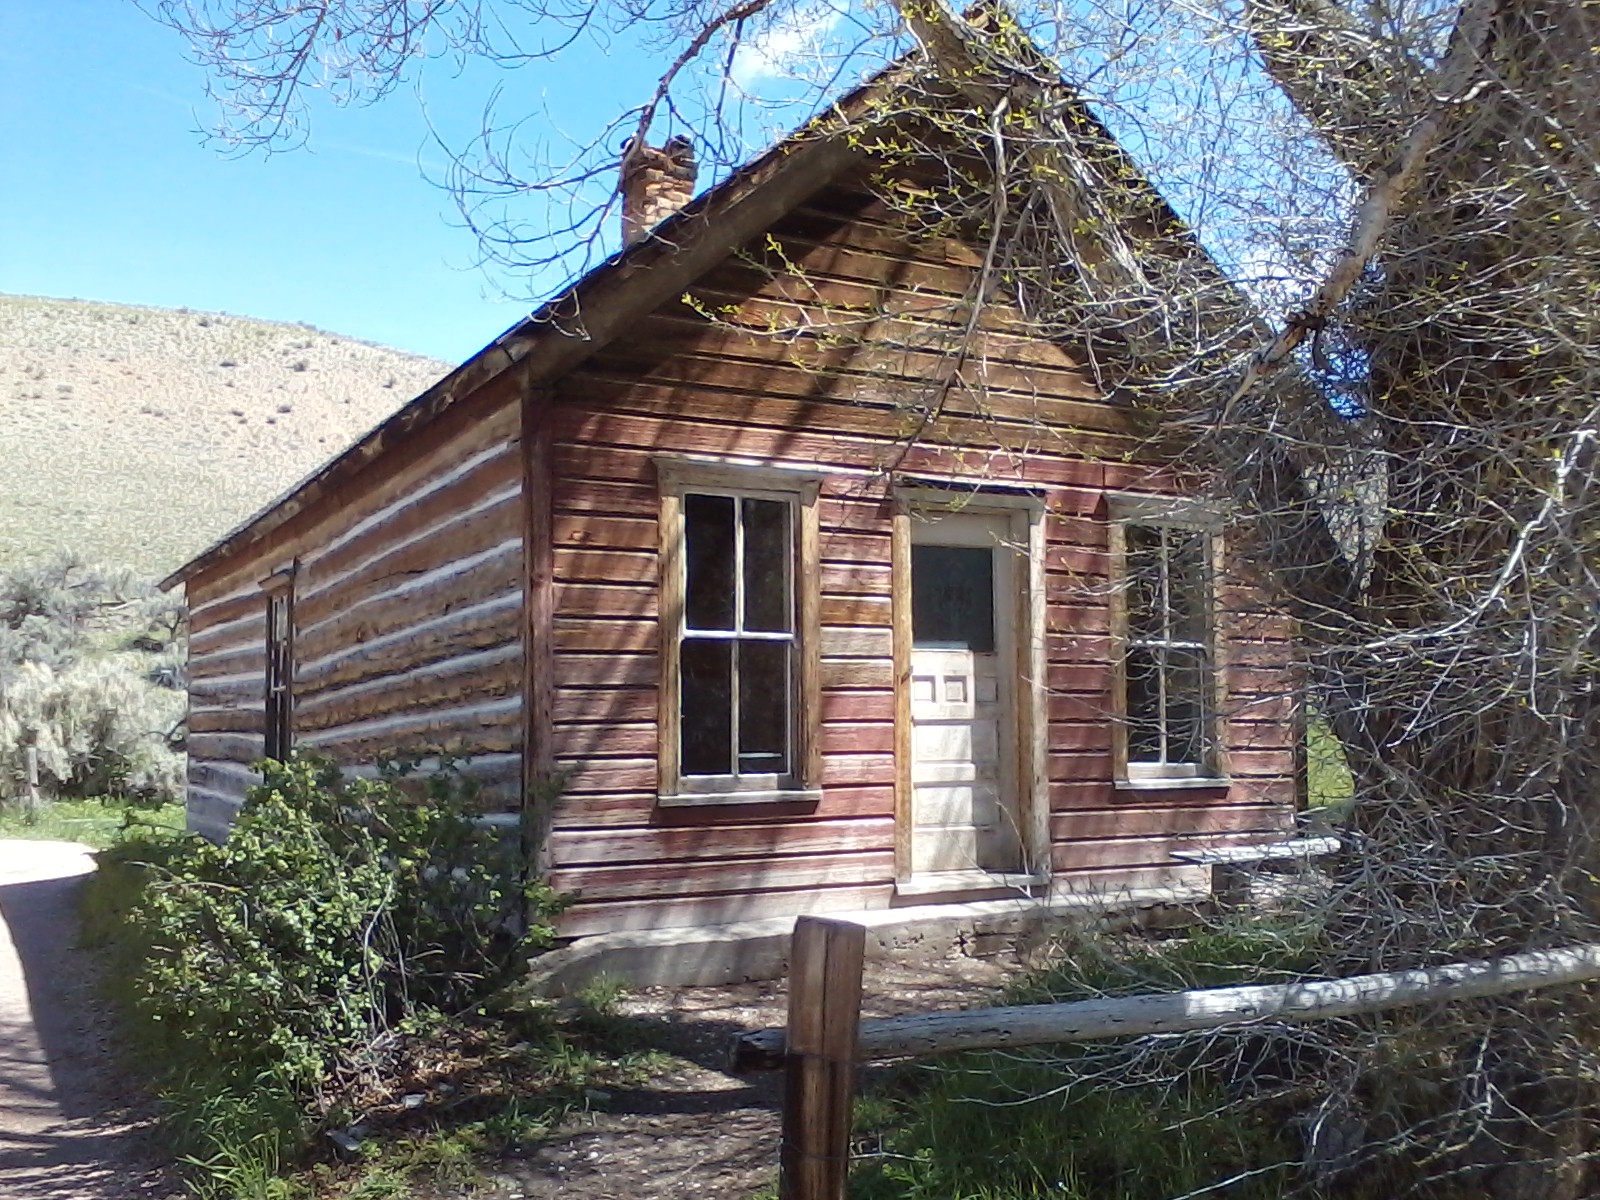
65	1131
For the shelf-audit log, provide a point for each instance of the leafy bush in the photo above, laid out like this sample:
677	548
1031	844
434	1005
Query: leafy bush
269	978
90	679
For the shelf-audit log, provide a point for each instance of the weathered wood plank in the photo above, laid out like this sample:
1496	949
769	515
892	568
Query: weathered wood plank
1166	821
494	622
231	719
639	670
584	919
825	965
1169	1013
239	748
575	702
489	674
458	582
650	880
605	739
883	378
242	690
866	674
234	659
632	810
452	482
576	847
491	529
482	727
859	408
831	450
1079	854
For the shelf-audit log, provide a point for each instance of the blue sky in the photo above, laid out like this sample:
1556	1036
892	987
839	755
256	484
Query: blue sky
107	191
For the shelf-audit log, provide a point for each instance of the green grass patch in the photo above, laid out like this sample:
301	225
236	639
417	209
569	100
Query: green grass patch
94	822
1330	786
1088	1122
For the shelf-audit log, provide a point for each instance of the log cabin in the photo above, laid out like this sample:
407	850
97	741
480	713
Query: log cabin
734	620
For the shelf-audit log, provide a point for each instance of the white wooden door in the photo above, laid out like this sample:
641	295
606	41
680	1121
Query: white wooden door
963	806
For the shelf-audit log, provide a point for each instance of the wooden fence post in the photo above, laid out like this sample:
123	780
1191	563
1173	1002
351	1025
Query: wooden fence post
31	804
820	1060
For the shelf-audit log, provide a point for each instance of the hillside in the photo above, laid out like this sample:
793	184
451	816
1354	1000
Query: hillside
137	436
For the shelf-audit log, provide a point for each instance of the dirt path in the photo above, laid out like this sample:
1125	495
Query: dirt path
698	1131
64	1131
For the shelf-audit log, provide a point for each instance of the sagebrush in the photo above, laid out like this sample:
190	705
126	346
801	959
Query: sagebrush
91	680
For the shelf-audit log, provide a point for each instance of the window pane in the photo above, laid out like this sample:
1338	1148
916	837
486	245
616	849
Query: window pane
1186	584
763	708
708	561
766	565
1186	706
706	706
952	598
1145	618
1144	705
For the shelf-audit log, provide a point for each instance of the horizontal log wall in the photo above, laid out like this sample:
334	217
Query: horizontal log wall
227	699
407	612
841	365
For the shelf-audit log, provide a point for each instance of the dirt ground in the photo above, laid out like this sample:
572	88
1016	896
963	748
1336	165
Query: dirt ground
701	1132
66	1130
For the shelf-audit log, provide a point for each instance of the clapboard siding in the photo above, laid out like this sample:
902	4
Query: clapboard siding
408	618
863	343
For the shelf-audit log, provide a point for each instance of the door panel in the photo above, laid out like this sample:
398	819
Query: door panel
961	738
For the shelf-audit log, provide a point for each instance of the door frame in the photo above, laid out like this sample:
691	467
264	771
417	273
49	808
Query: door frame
1022	515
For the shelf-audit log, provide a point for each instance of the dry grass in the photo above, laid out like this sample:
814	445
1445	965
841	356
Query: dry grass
137	436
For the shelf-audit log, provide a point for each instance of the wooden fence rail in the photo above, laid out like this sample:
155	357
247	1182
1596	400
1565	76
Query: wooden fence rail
826	1039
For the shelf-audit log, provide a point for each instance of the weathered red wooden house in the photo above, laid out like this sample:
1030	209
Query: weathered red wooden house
690	540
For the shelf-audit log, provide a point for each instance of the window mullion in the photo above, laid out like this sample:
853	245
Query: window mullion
1163	657
1162	733
738	631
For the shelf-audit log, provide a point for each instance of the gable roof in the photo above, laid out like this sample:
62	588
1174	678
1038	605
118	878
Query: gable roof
587	316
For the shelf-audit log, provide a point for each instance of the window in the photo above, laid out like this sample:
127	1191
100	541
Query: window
738	661
280	666
1164	627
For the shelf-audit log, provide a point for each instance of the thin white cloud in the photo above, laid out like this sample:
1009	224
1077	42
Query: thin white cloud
783	47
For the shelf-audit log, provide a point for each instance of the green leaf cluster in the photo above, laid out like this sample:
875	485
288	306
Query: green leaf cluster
273	974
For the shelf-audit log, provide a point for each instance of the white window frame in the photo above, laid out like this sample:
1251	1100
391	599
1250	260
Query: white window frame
800	782
1165	512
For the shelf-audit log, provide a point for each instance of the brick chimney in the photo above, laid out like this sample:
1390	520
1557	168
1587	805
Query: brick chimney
655	184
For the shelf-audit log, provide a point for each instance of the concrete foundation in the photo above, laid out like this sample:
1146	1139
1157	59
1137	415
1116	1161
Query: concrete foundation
715	955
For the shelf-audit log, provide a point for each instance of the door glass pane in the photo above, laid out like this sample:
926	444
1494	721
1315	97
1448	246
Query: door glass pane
1186	706
706	715
952	598
763	708
766	565
708	561
1144	705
